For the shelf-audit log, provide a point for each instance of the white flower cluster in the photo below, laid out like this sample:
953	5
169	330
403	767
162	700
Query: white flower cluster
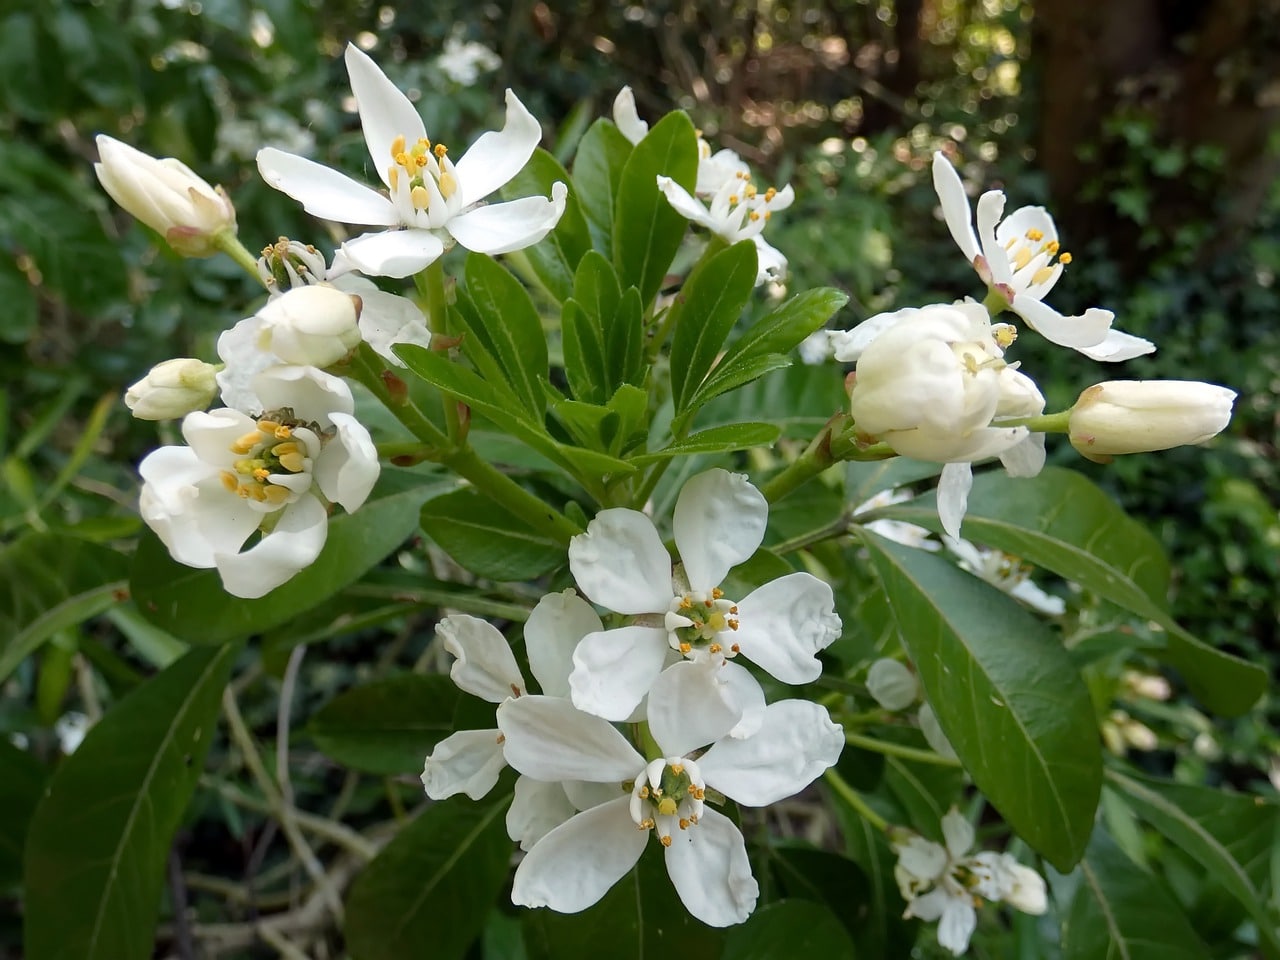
588	797
933	383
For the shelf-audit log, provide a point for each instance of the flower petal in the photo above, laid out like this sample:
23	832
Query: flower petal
689	707
685	205
748	696
310	393
385	112
709	868
391	253
990	207
184	503
485	666
497	156
956	926
536	809
554	628
922	860
1117	346
957	831
794	745
549	739
784	624
1087	330
243	359
620	563
503	227
719	522
469	761
386	319
1025	458
613	669
955	206
627	118
286	551
575	864
953	496
323	191
347	467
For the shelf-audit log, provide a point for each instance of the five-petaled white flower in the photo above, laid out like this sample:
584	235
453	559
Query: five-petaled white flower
276	471
941	882
736	211
1021	258
576	863
620	563
1005	572
431	202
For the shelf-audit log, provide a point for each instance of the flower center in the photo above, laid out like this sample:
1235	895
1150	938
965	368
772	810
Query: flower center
1031	251
741	206
287	263
668	795
425	170
696	622
277	449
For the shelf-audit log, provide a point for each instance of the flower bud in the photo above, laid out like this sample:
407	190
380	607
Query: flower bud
892	684
167	196
173	389
315	326
1138	416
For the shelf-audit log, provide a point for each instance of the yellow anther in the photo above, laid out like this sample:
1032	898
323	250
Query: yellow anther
1064	258
397	148
515	691
266	426
243	493
751	192
423	145
693	818
707	603
644	793
245	444
767	215
742	176
1035	236
753	216
677	768
448	184
715	648
294	462
1005	334
274	494
733	199
647	824
716	593
770	194
284	449
1041	275
1051	247
407	161
230	481
684	823
734	609
685	603
282	432
666	841
441	150
685	648
1021	258
735	648
698	793
733	625
420	198
393	174
667	807
502	738
261	474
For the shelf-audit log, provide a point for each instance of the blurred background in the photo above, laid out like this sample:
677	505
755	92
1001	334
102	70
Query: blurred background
1148	127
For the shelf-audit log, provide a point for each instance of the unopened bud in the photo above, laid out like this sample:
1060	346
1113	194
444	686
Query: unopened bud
1138	416
314	326
892	684
173	389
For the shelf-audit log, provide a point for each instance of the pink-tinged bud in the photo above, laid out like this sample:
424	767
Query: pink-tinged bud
1138	416
167	196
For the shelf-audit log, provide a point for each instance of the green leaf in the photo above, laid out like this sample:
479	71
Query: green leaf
1230	835
23	777
1121	912
585	366
1064	523
1006	694
826	878
646	231
725	378
782	330
55	581
387	726
704	313
555	258
624	340
98	843
597	174
510	326
429	890
789	928
587	422
488	540
191	604
730	436
640	918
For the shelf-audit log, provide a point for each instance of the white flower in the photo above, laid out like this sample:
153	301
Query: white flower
173	389
1021	257
943	883
432	202
165	195
620	563
816	348
70	729
312	325
1138	416
736	211
899	531
576	863
275	472
463	62
892	684
1005	572
931	383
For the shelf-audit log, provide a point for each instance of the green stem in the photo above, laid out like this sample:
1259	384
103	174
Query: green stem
995	302
501	489
230	244
898	750
837	528
406	449
367	368
854	799
1045	423
816	458
430	285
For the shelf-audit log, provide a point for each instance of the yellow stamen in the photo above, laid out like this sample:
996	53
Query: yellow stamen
284	449
293	462
419	197
753	216
423	145
1035	236
448	184
716	593
397	148
714	648
685	648
770	194
261	474
666	841
229	481
393	174
684	823
282	432
245	444
1021	258
275	494
667	807
441	150
267	426
677	768
735	648
733	199
1041	275
502	738
1065	258
1051	247
644	793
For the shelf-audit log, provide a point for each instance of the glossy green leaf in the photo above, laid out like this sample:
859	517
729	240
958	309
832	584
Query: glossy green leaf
741	372
597	174
822	877
646	231
54	581
1121	912
1006	694
639	918
585	366
555	258
429	890
96	851
488	540
1064	523
191	604
23	777
1230	835
789	928
387	726
709	304
510	326
878	928
730	436
782	330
